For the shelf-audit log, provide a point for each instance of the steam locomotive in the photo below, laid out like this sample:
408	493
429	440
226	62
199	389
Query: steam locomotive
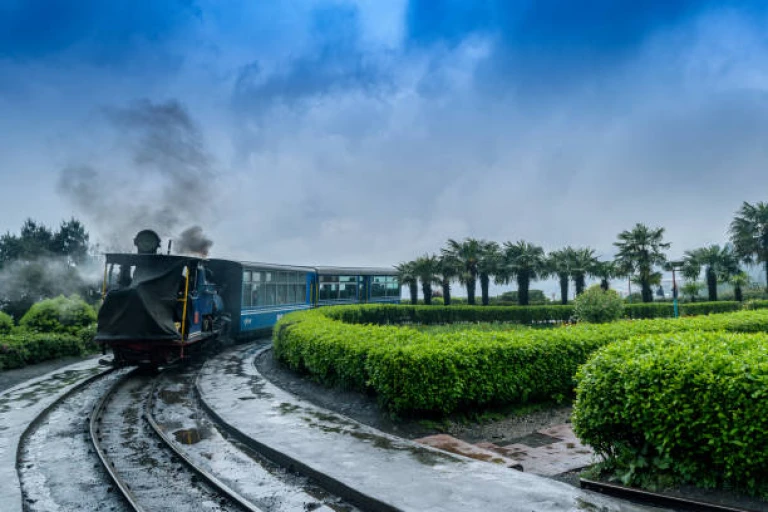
159	309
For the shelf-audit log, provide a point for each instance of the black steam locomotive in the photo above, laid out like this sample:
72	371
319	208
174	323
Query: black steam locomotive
161	308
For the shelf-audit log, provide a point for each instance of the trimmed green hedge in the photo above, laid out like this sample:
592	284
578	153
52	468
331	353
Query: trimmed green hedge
666	309
392	314
384	314
21	349
679	408
414	371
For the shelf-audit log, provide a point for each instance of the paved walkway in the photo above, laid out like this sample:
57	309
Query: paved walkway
391	472
20	405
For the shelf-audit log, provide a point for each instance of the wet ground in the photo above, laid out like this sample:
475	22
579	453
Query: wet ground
271	488
58	467
526	428
10	378
19	406
387	469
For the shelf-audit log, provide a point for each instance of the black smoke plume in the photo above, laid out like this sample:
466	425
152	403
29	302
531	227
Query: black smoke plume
192	240
165	181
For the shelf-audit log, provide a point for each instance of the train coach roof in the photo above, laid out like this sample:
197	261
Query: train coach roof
133	258
268	266
356	271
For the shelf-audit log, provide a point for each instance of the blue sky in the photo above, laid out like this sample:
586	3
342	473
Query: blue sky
367	132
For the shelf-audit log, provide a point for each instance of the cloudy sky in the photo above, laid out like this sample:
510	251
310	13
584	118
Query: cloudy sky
368	132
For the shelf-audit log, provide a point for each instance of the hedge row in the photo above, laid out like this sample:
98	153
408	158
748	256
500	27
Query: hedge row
412	371
20	349
679	408
388	314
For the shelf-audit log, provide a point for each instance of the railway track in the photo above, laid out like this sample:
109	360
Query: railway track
55	450
164	454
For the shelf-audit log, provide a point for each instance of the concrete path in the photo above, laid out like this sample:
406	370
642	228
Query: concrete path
20	405
389	472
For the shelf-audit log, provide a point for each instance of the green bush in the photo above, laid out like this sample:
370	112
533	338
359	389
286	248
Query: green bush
598	306
21	349
411	370
6	323
679	408
60	315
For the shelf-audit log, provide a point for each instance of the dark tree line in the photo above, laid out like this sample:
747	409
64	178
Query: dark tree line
40	263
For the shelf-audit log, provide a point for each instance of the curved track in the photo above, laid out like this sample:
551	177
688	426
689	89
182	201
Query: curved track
146	472
55	458
164	454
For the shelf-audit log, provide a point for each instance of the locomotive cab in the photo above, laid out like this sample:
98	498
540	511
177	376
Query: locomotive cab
157	309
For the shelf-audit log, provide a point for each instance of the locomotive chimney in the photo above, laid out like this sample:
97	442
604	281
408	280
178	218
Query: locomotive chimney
147	242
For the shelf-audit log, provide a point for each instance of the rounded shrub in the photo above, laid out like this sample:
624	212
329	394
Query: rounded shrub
62	315
6	323
598	306
678	408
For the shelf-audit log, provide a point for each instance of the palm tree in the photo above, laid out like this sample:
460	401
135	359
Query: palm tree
739	280
749	234
559	264
691	289
691	271
465	257
719	264
426	268
605	271
406	276
583	263
525	262
487	266
446	274
639	251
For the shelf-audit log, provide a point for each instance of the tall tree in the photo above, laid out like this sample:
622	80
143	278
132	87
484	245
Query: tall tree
426	268
71	240
465	256
525	262
749	234
487	266
719	264
583	264
407	277
447	273
559	264
639	251
605	271
739	281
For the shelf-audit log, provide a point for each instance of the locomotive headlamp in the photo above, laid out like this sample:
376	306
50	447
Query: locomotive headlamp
147	242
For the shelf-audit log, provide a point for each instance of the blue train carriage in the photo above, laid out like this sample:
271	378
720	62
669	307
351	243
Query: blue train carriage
355	285
257	295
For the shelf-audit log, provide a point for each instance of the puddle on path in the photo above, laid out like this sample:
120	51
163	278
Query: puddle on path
190	435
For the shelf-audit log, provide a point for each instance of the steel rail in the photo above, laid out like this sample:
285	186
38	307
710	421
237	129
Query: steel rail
654	498
95	433
208	477
328	483
23	439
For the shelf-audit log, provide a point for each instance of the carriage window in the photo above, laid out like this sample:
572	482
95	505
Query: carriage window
348	287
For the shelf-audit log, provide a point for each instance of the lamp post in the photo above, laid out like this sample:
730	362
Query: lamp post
675	265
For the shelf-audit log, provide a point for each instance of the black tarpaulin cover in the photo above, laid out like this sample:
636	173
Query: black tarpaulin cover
145	309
